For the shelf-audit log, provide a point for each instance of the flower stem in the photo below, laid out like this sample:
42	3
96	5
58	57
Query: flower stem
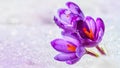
101	50
92	53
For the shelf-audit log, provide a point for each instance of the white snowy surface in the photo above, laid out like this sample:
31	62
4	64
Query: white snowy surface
27	27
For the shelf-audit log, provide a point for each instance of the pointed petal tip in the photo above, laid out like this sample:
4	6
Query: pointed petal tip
55	18
70	2
99	19
56	58
88	18
73	7
53	42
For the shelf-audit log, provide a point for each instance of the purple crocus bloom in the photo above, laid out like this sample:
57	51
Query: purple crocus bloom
78	33
67	17
91	31
70	48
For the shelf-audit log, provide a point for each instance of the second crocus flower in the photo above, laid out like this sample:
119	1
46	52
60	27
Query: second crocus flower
91	31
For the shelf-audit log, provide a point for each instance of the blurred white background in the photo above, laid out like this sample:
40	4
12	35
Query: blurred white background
27	27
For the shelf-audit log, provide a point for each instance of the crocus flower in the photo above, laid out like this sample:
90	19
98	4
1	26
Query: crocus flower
91	31
67	17
70	48
78	33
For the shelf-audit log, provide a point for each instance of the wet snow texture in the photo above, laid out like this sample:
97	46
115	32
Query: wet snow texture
27	27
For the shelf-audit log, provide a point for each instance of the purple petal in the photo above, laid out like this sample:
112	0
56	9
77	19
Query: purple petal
80	25
59	23
90	23
60	45
100	27
72	38
65	57
72	35
100	24
63	25
100	35
62	11
80	51
75	20
72	26
65	15
74	8
73	61
68	19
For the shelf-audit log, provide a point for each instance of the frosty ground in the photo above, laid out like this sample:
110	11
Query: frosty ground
27	27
